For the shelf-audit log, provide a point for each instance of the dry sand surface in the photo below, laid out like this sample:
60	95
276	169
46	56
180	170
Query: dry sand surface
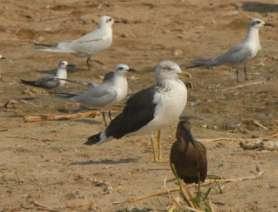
45	162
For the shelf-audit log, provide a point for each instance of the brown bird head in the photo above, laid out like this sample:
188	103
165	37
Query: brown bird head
184	130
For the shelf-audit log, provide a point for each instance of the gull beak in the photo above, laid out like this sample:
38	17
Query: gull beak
269	24
187	74
118	21
71	67
132	70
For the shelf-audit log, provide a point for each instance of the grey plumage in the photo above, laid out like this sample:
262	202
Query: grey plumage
51	81
238	54
235	55
87	45
150	109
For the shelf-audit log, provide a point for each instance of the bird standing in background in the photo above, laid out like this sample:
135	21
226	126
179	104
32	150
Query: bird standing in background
51	81
87	45
113	89
239	54
150	109
188	157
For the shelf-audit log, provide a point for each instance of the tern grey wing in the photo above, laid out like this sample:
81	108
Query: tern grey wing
235	55
61	47
46	82
100	96
94	35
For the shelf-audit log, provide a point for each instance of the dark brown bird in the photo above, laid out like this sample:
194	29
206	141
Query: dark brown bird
188	156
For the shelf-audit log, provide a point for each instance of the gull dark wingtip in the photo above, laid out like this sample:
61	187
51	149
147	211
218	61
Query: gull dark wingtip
94	139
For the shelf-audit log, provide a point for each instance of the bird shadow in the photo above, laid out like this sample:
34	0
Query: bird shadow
259	7
105	161
88	121
71	68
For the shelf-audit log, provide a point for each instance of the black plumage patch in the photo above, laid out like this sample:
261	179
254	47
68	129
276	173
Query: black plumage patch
138	112
94	139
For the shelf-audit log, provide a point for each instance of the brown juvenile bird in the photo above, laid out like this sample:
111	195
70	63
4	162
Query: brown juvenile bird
188	157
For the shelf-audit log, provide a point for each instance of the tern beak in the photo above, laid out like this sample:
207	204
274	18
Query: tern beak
269	24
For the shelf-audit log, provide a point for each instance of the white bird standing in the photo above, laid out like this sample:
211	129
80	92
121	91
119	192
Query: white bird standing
51	81
150	109
113	89
87	45
238	54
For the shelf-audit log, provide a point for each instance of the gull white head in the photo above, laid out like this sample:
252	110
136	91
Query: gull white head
63	64
167	70
62	71
105	21
256	23
122	69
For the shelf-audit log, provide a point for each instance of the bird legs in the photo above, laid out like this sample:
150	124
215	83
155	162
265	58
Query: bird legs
156	147
104	113
89	65
104	118
244	71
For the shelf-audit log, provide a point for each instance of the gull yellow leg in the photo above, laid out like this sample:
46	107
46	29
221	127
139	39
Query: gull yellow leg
153	146
104	118
158	145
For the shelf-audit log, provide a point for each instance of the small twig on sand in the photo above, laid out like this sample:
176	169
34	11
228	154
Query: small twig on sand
218	139
244	85
44	207
208	182
257	123
233	139
57	117
252	177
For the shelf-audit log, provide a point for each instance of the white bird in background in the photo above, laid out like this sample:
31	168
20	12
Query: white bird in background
238	54
113	89
51	81
150	109
87	45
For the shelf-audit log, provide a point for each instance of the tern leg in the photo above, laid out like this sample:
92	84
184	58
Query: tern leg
237	75
104	118
88	62
153	147
245	71
158	145
110	115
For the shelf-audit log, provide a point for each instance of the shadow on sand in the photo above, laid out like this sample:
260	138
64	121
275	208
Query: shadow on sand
260	7
105	161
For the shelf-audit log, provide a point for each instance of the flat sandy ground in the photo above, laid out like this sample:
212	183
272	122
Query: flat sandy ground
46	162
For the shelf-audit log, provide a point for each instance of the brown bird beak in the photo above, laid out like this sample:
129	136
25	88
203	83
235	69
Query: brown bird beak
269	24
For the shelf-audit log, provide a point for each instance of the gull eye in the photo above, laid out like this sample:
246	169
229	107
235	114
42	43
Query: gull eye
168	68
121	68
